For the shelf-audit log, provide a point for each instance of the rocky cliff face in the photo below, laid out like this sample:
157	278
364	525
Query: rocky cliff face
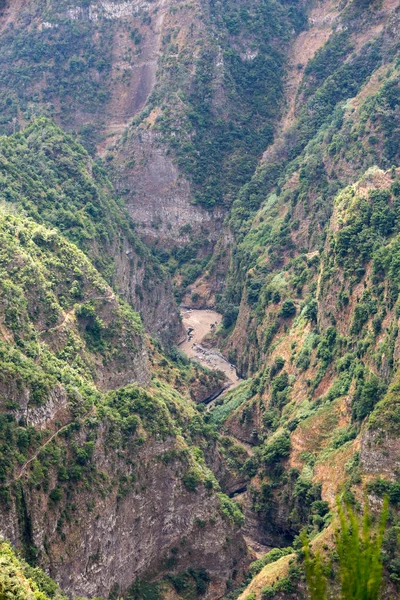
53	179
98	486
161	203
204	126
137	520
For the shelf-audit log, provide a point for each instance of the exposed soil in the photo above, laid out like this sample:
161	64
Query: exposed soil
321	21
199	323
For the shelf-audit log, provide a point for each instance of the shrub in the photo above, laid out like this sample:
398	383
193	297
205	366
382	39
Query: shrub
277	448
368	393
230	509
56	494
288	309
191	479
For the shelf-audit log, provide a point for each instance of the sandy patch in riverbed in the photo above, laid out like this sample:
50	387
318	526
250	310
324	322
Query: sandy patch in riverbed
197	324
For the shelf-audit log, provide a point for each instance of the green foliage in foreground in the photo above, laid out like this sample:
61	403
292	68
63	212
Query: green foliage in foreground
358	548
20	581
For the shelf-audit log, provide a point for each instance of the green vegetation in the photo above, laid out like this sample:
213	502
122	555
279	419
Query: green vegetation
230	509
218	142
229	403
67	339
191	584
310	301
270	557
286	584
63	59
360	565
48	176
277	448
19	580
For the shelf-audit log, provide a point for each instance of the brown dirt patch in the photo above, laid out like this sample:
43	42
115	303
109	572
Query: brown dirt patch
332	472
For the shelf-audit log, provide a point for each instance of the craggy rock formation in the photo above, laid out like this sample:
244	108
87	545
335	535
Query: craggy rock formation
98	486
98	540
254	145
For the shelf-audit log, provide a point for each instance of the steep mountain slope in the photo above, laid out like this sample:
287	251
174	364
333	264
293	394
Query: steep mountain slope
310	303
91	65
264	172
50	177
93	438
208	76
83	471
335	142
209	118
22	581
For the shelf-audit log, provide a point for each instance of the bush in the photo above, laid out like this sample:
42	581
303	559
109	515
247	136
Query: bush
230	509
288	309
191	479
277	449
368	393
56	494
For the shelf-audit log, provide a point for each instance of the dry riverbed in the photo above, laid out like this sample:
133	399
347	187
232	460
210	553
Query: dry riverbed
197	324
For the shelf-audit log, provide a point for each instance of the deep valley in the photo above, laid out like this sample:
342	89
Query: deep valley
199	299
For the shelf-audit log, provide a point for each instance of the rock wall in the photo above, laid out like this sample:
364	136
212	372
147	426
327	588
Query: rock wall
100	539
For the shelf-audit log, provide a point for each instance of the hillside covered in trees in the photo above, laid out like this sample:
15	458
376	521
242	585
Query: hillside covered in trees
237	156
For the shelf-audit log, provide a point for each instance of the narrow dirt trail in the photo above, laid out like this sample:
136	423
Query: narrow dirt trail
47	442
69	314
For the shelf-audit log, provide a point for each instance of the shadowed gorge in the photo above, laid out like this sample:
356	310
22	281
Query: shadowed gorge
199	299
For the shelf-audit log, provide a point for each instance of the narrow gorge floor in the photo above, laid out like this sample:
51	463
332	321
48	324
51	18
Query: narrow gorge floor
198	324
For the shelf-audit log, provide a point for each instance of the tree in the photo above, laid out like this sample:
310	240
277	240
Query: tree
358	548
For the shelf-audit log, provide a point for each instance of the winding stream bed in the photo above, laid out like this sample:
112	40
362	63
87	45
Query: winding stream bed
197	324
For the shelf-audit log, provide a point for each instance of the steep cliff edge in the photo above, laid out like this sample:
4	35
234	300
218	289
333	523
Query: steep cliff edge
102	488
51	177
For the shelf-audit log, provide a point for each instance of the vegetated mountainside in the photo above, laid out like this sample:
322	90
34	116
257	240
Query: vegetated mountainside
50	177
91	65
346	120
24	581
322	412
198	86
209	118
103	479
102	473
120	500
311	302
